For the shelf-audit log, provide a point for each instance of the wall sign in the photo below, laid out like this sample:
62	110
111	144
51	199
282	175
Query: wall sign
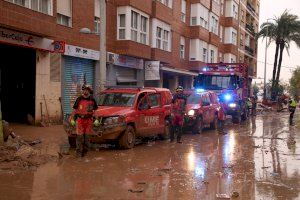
152	70
26	40
81	52
126	61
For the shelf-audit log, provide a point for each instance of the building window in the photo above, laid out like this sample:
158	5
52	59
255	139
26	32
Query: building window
234	38
97	24
212	56
134	26
166	2
182	47
221	33
234	10
242	40
183	10
204	55
203	23
63	20
166	40
222	7
44	6
194	21
158	37
121	27
214	25
64	12
220	57
143	30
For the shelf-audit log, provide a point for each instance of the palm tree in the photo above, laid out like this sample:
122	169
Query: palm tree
282	30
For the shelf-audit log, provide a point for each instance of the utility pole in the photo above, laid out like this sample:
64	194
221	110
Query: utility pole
102	57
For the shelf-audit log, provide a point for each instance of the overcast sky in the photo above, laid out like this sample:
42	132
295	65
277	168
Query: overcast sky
269	9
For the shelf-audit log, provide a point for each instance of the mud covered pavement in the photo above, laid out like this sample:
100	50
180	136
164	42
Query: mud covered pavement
259	159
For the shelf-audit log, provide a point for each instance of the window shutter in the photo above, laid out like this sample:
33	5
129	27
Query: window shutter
64	7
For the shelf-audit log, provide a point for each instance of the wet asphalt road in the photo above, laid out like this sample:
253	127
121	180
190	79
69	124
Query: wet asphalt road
259	159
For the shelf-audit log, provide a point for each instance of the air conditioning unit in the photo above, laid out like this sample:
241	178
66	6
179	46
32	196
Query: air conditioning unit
110	57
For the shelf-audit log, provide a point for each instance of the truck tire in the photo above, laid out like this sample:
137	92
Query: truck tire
127	140
236	118
72	142
198	126
214	124
244	116
166	134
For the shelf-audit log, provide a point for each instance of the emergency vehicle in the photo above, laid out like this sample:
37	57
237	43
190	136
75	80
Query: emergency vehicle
202	110
232	84
125	114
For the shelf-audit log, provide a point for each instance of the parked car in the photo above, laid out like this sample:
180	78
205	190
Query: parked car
127	113
202	111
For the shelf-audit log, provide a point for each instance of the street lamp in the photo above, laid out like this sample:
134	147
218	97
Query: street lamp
266	54
102	36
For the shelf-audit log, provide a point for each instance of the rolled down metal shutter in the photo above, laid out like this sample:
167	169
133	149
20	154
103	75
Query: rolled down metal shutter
126	75
76	71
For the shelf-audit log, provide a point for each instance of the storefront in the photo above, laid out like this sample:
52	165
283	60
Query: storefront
124	70
79	68
20	67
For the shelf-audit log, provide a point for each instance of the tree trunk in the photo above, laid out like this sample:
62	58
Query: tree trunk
274	70
279	67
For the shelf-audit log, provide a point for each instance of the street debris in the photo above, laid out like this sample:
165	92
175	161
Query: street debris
235	194
222	196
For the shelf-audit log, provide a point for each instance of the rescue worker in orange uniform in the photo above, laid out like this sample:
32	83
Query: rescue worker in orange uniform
178	110
84	107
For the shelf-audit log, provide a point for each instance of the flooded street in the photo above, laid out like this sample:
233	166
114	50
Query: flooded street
259	159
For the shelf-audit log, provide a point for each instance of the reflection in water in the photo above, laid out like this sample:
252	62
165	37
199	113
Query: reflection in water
229	147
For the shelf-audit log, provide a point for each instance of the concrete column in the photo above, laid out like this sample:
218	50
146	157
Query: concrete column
102	80
173	83
140	73
111	75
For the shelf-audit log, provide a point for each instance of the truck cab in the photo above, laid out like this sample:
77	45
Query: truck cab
128	113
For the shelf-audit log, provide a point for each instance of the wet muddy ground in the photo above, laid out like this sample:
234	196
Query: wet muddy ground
258	159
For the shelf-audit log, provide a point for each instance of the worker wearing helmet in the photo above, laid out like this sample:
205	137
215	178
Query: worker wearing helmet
178	110
292	109
83	119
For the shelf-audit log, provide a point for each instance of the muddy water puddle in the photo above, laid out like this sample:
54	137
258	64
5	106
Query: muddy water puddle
259	159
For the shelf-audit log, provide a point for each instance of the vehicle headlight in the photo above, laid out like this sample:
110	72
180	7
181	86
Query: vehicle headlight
113	120
228	97
232	105
191	113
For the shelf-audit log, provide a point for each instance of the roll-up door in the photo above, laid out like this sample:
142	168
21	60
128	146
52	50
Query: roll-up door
76	72
126	75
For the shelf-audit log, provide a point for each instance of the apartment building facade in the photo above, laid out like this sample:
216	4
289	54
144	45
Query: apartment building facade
161	43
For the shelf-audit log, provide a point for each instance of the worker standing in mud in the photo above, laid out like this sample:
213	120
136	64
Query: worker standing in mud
178	110
83	119
292	109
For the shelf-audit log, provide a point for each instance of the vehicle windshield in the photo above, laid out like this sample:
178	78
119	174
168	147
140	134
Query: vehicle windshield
193	99
213	82
116	99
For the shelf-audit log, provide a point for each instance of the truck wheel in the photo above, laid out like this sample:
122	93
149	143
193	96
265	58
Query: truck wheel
166	134
244	116
236	118
214	124
127	140
72	142
197	128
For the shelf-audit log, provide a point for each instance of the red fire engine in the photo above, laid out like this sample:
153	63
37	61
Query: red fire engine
232	84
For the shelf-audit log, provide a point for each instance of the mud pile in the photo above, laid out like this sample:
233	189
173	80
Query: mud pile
16	155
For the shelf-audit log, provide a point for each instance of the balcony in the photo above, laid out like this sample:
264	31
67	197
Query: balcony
162	12
205	3
229	22
251	8
250	28
249	50
161	55
214	39
131	48
27	20
198	32
229	48
144	5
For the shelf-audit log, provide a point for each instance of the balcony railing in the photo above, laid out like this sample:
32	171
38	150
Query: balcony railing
250	28
250	7
249	50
